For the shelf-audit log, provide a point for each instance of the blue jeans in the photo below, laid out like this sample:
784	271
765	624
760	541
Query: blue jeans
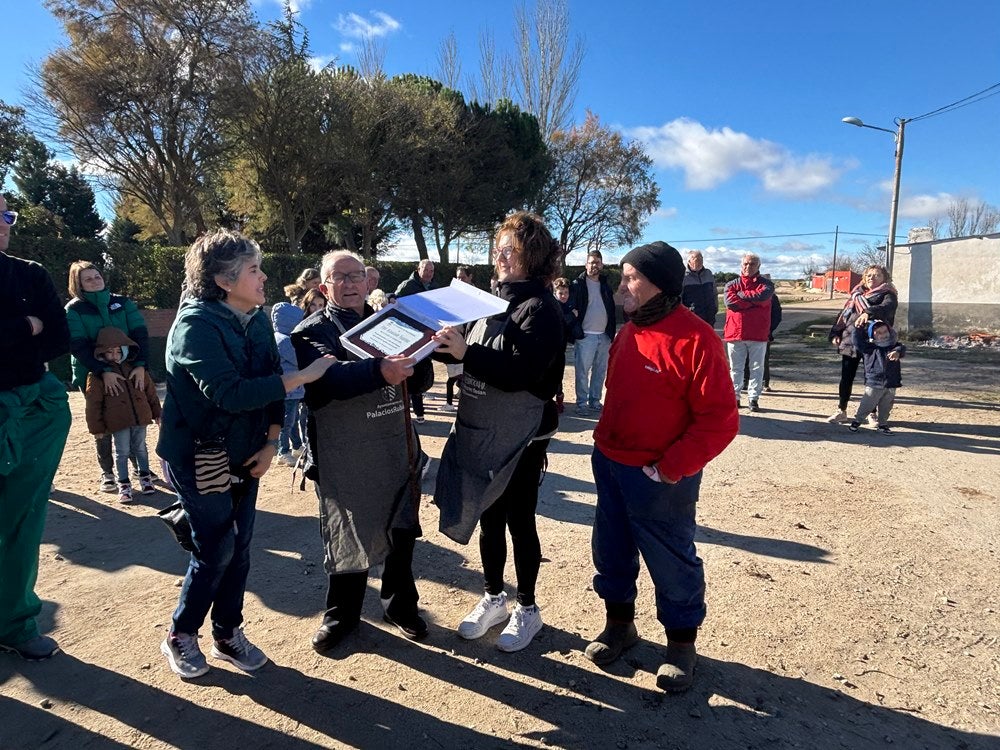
739	352
637	515
289	438
217	573
590	358
131	441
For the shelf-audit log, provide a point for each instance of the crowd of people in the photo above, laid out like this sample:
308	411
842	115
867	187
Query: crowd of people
244	390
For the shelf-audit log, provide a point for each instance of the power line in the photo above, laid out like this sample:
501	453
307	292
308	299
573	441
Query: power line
970	99
779	236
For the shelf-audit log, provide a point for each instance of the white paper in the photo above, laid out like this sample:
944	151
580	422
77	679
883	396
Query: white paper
452	305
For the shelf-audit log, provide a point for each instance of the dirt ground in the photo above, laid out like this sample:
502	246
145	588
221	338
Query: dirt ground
852	592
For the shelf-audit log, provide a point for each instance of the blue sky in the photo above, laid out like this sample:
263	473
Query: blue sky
739	104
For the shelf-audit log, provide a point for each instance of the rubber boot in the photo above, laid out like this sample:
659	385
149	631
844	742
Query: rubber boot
619	634
677	671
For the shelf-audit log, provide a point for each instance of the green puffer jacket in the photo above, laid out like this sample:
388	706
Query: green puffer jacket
223	381
87	316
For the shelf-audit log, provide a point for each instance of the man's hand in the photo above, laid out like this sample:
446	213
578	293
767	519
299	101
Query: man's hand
37	326
113	383
138	377
397	369
653	473
450	341
893	355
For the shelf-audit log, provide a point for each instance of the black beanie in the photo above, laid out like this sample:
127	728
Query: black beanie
661	264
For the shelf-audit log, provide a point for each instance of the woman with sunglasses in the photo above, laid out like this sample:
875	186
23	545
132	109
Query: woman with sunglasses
492	463
92	307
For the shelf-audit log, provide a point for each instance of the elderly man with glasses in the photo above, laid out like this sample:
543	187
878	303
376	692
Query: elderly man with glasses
34	423
358	458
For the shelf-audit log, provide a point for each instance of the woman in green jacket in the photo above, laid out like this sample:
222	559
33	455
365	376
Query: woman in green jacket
93	307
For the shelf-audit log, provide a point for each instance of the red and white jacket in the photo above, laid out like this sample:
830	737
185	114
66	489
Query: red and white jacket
669	398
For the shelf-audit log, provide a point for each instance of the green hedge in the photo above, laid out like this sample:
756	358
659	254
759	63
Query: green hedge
152	274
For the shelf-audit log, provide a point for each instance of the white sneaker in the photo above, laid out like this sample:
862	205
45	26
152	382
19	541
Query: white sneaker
451	408
524	624
491	610
286	459
838	417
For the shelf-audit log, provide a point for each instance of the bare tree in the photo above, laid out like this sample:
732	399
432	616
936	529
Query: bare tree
449	62
494	73
546	68
967	219
868	255
371	59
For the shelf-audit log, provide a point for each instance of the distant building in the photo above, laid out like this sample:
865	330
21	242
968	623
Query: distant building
948	286
843	281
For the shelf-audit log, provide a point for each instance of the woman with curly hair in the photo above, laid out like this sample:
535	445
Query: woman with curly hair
493	461
220	423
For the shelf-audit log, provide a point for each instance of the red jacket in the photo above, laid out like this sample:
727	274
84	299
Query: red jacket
748	308
670	397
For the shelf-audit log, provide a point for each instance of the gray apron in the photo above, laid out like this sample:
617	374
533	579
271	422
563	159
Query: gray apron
363	478
491	430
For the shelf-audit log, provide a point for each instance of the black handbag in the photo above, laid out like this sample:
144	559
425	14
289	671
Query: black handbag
177	521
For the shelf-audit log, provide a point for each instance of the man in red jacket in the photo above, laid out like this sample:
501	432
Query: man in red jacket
668	411
748	326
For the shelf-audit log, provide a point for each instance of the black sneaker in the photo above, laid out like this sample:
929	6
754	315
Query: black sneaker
39	648
884	429
754	406
854	426
412	626
239	651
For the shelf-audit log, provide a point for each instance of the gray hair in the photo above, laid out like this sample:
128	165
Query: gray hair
326	265
753	257
424	263
220	253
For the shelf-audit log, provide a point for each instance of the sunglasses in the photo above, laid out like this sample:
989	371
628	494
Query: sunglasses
10	218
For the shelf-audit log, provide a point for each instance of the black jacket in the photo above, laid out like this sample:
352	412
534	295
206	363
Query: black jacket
414	285
530	353
579	299
27	289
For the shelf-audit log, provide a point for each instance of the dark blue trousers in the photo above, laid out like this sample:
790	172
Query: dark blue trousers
636	515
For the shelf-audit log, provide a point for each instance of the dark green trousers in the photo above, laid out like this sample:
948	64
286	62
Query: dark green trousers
34	423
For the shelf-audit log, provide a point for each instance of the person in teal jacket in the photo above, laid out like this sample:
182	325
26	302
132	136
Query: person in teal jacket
93	307
224	408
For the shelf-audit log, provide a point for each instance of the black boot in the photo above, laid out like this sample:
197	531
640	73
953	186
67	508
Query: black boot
677	671
619	634
399	591
344	597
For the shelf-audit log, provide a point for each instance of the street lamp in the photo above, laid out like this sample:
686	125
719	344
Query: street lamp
890	247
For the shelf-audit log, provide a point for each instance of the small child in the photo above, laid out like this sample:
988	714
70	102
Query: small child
285	317
572	328
125	413
877	345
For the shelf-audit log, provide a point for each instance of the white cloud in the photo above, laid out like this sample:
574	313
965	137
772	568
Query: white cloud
712	157
321	61
297	6
925	206
665	213
357	27
347	47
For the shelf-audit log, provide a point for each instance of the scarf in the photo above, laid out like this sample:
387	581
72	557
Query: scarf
860	299
654	310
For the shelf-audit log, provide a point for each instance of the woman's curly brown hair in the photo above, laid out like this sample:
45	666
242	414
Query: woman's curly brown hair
536	250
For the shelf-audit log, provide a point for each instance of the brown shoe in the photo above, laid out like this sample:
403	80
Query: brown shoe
616	637
677	672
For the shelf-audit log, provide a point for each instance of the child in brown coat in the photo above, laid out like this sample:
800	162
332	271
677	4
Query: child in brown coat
124	410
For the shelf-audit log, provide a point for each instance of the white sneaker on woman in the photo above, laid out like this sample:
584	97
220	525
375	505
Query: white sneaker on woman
490	611
838	417
524	625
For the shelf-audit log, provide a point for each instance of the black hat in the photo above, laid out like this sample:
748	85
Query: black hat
661	264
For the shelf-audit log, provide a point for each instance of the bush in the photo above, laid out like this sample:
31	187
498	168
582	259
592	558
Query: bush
56	254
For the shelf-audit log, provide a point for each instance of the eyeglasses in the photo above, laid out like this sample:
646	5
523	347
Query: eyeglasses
355	277
505	251
10	218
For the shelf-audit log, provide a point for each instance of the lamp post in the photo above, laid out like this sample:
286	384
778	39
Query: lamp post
890	247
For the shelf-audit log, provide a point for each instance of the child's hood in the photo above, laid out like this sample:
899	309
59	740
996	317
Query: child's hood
110	336
285	316
893	339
